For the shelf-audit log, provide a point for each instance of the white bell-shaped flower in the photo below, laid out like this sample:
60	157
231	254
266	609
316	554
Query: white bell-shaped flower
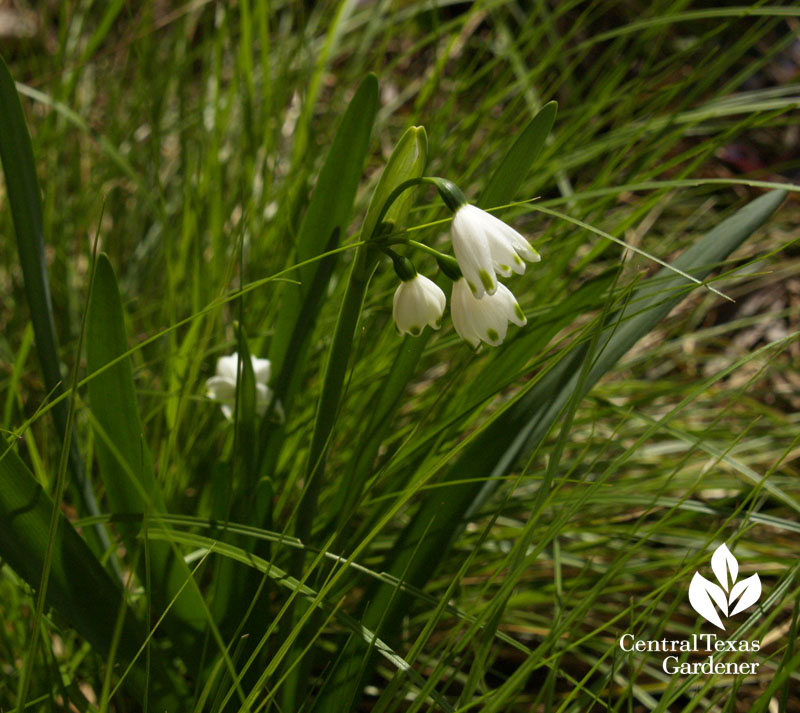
222	386
417	302
485	245
485	319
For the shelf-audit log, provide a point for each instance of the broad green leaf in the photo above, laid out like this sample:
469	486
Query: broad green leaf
407	162
79	589
323	225
125	463
329	210
517	431
26	209
515	166
25	202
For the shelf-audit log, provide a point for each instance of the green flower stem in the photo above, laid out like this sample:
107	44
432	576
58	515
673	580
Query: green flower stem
335	371
364	264
426	249
447	263
448	191
366	259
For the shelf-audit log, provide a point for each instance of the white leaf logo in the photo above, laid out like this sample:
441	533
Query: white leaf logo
704	594
701	592
749	589
722	562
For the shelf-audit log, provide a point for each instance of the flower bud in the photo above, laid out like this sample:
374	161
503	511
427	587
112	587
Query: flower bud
418	302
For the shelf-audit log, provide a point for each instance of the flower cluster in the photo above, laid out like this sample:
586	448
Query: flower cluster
482	307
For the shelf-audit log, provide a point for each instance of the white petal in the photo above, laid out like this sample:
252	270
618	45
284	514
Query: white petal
472	250
227	366
485	319
500	232
461	310
262	368
220	388
511	308
505	257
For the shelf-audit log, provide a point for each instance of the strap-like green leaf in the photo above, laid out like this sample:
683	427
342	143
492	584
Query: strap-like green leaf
329	209
125	462
26	209
503	184
406	162
516	164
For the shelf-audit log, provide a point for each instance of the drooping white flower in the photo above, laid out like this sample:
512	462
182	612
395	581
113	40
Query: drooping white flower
485	245
417	302
485	319
222	386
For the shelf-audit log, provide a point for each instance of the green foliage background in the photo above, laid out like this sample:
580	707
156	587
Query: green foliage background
539	499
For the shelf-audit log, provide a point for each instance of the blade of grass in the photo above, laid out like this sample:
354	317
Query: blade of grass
26	209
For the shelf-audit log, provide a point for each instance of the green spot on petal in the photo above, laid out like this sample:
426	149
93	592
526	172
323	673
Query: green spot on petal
493	335
504	267
486	280
471	286
518	259
415	331
518	311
